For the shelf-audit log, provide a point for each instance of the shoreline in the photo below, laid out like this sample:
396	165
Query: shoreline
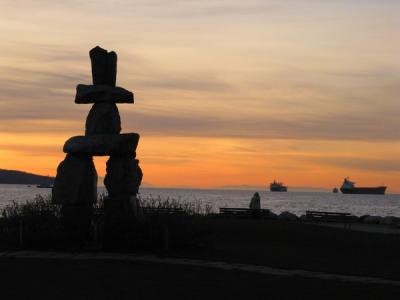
294	202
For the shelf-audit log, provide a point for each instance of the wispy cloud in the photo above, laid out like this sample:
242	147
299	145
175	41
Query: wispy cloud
320	127
356	163
191	82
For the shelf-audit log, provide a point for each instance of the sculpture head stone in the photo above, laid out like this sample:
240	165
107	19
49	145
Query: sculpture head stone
104	66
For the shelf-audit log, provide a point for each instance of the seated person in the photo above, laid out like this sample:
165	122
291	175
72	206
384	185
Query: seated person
255	201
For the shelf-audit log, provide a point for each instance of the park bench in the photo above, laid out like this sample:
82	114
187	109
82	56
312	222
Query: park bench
155	211
324	216
244	213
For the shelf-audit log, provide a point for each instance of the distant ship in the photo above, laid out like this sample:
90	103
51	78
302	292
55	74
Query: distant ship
277	187
348	187
335	190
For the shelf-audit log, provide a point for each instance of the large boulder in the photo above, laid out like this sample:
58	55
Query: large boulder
102	94
103	144
76	220
372	219
124	175
121	208
76	181
287	216
103	118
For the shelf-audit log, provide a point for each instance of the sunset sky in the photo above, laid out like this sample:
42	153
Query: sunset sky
226	92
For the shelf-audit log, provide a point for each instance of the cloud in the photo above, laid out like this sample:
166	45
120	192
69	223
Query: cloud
67	117
334	126
207	9
357	163
171	8
42	126
221	94
33	150
203	82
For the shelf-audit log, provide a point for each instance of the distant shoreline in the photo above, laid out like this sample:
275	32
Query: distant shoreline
292	190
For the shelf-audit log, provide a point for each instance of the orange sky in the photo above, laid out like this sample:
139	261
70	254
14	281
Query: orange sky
227	93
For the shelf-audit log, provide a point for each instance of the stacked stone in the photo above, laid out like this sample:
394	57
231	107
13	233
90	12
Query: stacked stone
75	187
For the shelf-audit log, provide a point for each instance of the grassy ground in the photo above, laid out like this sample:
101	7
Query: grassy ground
62	279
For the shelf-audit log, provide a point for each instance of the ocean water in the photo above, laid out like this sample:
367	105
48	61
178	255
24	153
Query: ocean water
293	201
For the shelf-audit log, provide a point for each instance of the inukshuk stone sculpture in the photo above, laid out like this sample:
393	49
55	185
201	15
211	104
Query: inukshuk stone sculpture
75	186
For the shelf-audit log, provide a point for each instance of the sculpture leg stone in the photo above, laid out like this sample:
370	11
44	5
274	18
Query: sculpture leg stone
124	175
76	221
75	188
121	209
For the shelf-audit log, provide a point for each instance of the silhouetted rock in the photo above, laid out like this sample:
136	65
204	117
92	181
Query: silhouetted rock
76	220
390	220
76	181
119	220
125	208
362	218
103	118
124	175
121	208
104	66
75	188
303	218
103	144
372	219
135	207
99	60
112	68
287	216
272	216
102	93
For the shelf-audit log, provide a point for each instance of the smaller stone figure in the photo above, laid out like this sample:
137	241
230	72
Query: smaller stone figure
255	201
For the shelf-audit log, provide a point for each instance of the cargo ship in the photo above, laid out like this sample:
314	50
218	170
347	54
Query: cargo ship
348	187
277	187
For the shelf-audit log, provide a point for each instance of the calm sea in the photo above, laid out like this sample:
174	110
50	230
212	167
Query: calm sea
296	202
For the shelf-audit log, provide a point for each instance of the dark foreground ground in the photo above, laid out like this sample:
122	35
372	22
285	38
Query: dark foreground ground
302	246
271	243
66	279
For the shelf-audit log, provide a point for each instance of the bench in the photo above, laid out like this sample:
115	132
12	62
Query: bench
326	216
244	213
155	211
